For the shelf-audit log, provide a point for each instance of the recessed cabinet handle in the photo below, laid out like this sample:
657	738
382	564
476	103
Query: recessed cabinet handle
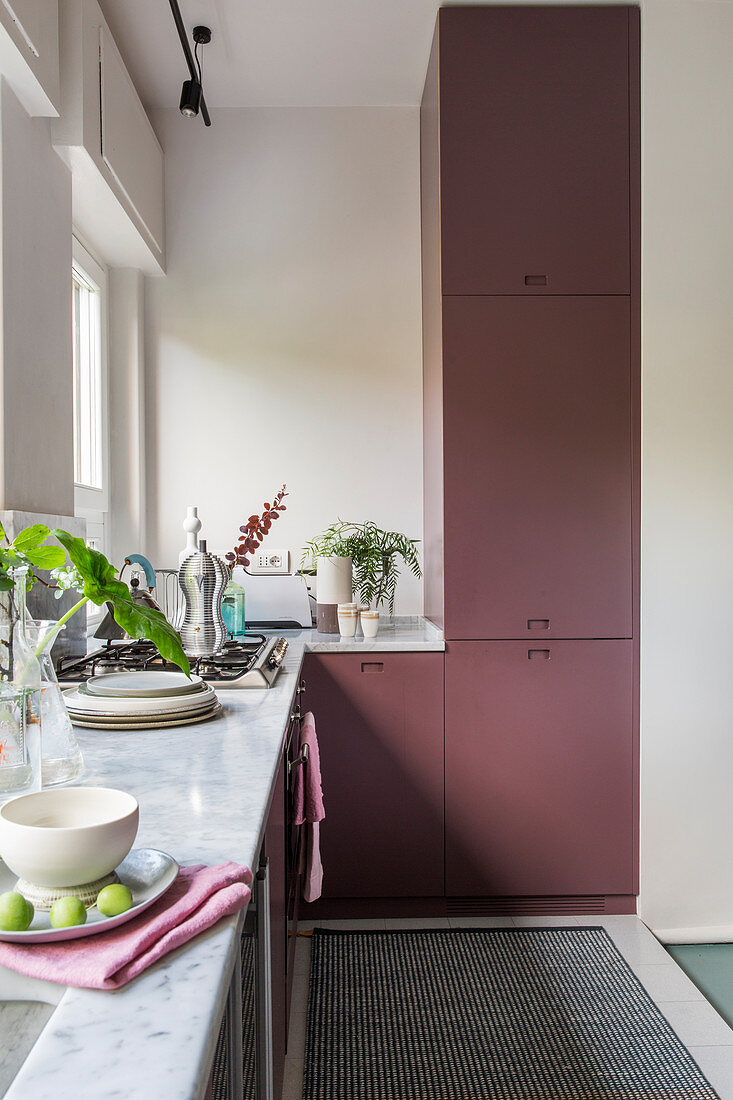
538	624
538	654
372	666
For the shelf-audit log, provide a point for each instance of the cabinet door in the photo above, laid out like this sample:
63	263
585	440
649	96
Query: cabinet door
534	109
538	467
539	769
380	731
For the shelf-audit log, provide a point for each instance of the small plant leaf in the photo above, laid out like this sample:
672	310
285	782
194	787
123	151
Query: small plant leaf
31	537
46	557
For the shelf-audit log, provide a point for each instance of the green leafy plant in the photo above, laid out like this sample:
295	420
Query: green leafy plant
92	575
374	555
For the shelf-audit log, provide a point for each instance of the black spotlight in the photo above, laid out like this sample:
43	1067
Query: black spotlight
190	98
192	89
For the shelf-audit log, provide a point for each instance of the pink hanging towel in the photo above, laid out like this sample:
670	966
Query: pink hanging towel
308	808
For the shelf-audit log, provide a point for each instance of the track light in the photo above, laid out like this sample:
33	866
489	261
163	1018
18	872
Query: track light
193	89
192	94
190	98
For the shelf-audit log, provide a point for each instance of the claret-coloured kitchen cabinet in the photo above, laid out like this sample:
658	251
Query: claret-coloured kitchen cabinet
535	148
530	191
380	730
537	467
539	769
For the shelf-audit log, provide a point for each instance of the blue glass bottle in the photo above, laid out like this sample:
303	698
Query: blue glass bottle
232	610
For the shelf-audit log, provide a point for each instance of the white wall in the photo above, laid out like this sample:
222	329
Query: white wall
687	522
285	343
35	315
127	412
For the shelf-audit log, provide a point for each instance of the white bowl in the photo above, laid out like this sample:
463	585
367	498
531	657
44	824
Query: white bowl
68	836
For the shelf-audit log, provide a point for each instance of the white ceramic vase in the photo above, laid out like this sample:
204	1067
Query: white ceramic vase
334	586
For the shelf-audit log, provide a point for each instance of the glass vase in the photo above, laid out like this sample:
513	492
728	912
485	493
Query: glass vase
232	610
62	758
20	702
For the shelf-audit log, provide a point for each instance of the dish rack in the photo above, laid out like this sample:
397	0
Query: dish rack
169	596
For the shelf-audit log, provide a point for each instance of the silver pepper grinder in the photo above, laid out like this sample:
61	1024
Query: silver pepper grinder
203	578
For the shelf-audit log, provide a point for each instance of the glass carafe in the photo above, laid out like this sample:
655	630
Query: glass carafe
20	707
62	759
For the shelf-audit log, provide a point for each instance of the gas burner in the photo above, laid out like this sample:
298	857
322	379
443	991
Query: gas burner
250	661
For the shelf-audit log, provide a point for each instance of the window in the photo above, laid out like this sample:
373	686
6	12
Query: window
91	417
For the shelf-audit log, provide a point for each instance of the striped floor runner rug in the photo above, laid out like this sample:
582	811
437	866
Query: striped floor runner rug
487	1014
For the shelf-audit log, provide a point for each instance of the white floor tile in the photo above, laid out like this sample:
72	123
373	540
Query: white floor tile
619	924
302	964
308	925
639	948
372	924
481	922
528	920
717	1065
697	1023
666	982
407	923
293	1080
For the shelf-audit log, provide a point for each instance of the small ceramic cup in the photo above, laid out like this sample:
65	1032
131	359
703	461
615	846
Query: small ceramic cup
348	618
370	623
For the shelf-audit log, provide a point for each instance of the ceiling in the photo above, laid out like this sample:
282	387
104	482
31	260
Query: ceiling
281	52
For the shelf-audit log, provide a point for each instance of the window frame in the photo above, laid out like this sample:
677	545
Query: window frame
91	503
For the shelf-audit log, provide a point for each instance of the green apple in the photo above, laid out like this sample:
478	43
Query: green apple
113	900
66	912
16	913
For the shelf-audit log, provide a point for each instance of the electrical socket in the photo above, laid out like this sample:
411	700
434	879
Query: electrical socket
270	561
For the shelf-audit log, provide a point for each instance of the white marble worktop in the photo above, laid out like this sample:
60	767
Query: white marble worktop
403	634
204	792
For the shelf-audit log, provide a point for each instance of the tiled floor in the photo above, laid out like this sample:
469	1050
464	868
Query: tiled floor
698	1025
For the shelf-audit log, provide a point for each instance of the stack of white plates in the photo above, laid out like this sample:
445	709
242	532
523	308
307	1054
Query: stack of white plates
141	700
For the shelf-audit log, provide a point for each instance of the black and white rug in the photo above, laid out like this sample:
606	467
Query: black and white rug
487	1014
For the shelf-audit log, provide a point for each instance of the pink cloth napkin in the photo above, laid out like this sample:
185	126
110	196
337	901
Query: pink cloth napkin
308	809
199	897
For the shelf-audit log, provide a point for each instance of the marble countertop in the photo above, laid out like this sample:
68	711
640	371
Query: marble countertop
405	634
204	793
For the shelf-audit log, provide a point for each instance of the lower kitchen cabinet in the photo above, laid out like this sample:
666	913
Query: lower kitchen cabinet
379	718
539	759
275	850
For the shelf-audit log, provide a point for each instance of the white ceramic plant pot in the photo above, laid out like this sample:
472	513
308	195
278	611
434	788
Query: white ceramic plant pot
334	586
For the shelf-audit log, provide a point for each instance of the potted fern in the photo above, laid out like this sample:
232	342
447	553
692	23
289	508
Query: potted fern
376	557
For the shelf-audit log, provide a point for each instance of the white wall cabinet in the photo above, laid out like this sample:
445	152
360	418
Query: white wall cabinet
115	157
29	53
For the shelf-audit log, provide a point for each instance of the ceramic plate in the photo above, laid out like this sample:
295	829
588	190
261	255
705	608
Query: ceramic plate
144	685
147	873
92	722
78	700
206	702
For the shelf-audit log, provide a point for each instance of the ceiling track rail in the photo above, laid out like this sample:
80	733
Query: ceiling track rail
185	46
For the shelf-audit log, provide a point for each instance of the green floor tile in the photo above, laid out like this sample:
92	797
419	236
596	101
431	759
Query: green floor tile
710	966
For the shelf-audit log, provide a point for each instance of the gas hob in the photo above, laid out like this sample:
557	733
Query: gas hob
252	661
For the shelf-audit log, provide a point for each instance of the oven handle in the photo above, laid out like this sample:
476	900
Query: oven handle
302	759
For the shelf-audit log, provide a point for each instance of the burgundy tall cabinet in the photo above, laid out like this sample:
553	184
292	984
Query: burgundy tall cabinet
530	219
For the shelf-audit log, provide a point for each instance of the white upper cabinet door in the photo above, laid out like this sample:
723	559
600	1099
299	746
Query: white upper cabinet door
29	52
129	147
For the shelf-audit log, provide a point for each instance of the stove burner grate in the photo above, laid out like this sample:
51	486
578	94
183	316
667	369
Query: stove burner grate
236	658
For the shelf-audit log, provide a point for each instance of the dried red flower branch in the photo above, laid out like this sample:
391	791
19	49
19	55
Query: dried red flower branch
255	529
